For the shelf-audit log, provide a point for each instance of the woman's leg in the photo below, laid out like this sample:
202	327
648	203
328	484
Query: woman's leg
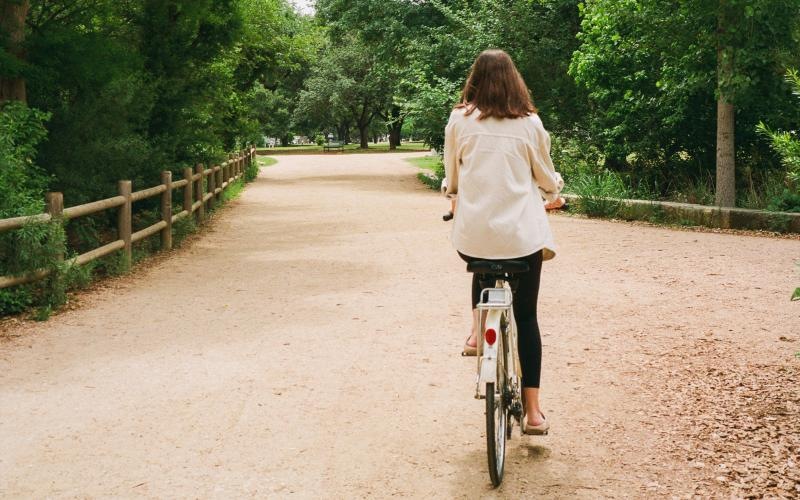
472	341
526	297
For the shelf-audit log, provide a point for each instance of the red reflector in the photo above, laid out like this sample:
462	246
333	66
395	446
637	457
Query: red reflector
490	336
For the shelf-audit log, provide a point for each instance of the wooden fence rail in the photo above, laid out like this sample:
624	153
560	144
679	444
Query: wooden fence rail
202	188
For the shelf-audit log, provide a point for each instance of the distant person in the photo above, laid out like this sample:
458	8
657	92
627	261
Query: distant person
498	166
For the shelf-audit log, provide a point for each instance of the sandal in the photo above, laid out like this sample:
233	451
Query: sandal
469	350
535	430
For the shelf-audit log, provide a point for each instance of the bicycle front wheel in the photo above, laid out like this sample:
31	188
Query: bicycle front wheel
496	421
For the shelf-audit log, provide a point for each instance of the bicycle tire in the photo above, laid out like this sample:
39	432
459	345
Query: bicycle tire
495	434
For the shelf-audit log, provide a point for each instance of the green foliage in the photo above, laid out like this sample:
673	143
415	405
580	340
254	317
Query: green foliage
787	146
319	139
600	195
251	171
796	294
22	183
574	156
431	107
266	161
15	300
434	170
181	229
653	76
36	246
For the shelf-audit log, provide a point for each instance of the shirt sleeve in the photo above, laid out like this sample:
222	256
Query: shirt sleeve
549	181
451	160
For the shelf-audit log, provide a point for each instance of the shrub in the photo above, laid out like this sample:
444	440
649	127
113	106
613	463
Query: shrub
787	145
599	195
251	171
319	139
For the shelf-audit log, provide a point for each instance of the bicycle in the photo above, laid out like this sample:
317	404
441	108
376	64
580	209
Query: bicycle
499	380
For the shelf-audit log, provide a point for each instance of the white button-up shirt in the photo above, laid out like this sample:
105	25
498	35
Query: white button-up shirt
499	170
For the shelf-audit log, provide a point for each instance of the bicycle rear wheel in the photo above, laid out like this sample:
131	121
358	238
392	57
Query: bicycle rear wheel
497	418
496	421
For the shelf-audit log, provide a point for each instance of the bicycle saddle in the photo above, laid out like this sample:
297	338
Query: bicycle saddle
498	266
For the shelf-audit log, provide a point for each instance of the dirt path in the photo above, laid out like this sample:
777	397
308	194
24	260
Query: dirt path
307	346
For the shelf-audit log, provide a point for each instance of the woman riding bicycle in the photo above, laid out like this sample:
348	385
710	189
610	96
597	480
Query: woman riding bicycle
497	164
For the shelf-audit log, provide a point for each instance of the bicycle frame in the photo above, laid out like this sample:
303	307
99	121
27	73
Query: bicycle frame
495	302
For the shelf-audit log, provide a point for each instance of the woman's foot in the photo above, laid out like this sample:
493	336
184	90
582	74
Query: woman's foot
470	346
555	205
536	425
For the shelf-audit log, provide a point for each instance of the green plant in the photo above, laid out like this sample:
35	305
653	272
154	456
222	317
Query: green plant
574	156
434	170
319	139
696	191
16	300
233	191
181	229
43	313
266	161
600	195
787	145
251	171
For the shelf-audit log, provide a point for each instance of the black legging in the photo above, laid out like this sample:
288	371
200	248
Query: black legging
526	295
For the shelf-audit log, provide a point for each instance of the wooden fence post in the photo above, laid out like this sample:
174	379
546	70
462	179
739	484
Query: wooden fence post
201	210
166	210
212	184
220	173
54	203
187	191
125	224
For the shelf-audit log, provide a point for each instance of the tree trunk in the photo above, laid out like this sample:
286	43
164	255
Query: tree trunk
726	152
395	130
726	161
12	25
364	132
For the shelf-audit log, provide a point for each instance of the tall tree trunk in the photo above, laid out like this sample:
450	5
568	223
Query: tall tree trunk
726	161
12	26
726	152
364	131
395	127
395	130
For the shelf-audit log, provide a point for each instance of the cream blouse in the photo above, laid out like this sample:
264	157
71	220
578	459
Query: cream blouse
499	170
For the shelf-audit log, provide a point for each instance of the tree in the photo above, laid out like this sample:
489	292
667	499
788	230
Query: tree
12	33
347	86
656	70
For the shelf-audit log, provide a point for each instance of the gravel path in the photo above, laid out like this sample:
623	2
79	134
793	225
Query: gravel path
306	345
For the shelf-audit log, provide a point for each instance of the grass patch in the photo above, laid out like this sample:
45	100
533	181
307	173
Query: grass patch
233	191
432	163
382	147
600	195
432	170
266	161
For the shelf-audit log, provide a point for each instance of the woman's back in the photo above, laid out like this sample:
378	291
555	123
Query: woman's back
498	167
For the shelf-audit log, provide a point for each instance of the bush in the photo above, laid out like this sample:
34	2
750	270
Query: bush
251	171
599	195
787	145
319	139
574	157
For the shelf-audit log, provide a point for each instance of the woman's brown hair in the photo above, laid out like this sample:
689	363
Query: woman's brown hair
495	87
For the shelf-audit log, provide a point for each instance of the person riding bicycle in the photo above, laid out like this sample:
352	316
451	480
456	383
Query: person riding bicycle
498	167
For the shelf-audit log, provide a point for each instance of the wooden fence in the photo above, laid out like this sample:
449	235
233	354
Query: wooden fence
202	188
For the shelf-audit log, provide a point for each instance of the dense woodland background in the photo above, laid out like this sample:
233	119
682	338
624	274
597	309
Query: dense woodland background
653	99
